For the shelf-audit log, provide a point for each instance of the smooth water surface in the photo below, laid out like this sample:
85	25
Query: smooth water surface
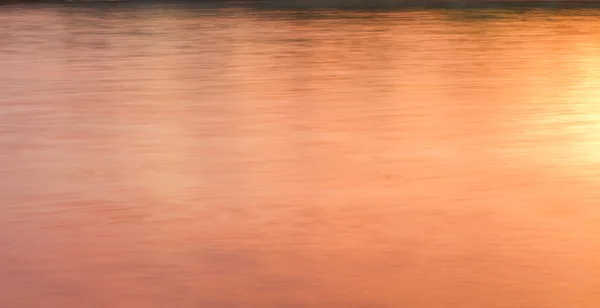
188	156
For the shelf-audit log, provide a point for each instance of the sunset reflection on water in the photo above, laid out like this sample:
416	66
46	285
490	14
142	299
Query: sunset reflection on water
170	155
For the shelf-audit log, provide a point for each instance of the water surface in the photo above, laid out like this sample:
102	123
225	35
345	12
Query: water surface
189	156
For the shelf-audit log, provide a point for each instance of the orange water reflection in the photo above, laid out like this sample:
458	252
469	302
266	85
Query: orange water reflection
162	155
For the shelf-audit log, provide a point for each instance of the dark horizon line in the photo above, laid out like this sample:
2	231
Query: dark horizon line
352	4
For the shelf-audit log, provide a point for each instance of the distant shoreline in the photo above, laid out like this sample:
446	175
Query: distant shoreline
349	4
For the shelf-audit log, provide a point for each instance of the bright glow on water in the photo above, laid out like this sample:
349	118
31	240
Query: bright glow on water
175	156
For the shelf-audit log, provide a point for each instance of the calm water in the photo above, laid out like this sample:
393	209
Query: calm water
180	156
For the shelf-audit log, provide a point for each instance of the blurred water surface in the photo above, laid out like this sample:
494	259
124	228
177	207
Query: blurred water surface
187	156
